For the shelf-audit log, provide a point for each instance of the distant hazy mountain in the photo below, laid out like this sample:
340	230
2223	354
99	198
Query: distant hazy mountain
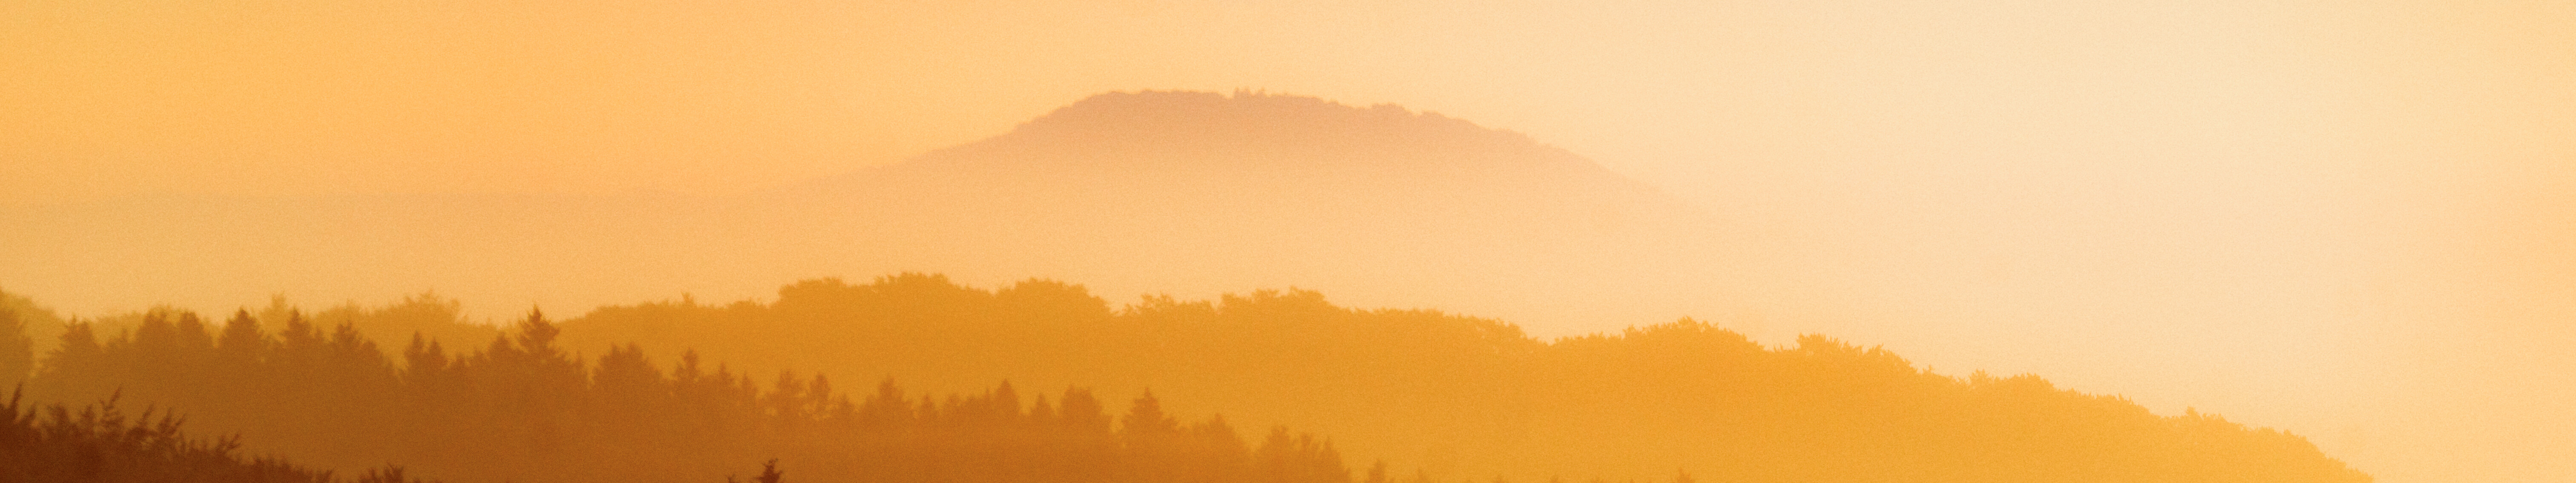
1185	191
1194	189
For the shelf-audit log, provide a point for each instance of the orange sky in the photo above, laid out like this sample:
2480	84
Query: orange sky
2356	215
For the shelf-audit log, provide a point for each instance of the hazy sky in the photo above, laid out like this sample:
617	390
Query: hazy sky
2356	214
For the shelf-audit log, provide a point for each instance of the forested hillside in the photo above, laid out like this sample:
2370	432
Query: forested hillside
523	409
1437	397
1464	397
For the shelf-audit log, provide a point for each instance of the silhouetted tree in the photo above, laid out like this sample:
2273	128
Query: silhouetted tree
768	473
17	350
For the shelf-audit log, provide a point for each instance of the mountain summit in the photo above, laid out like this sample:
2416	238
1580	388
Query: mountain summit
1259	138
1321	135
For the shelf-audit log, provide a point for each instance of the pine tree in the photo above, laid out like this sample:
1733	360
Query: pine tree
17	350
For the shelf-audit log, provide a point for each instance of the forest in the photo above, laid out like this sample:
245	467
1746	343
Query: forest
522	409
100	443
1417	395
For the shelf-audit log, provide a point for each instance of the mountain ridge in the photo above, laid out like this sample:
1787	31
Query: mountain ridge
1256	137
1131	190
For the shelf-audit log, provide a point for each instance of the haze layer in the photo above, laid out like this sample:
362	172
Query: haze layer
2346	218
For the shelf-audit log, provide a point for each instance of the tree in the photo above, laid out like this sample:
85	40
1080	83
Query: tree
17	350
768	473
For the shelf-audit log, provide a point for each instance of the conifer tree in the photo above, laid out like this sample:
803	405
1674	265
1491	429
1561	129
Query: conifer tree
17	350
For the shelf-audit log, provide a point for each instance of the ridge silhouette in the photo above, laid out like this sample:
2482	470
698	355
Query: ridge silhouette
1447	397
1328	135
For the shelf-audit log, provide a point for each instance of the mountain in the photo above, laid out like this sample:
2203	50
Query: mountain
1196	189
1130	192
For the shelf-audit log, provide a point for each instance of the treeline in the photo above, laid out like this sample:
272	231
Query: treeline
18	318
524	409
100	443
1443	397
1466	398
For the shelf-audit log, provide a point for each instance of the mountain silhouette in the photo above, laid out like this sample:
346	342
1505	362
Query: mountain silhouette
1163	189
1130	192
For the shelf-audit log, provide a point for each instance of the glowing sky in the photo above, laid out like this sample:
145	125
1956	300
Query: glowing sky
2350	219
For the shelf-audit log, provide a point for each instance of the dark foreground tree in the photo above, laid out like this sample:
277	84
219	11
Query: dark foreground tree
768	474
100	443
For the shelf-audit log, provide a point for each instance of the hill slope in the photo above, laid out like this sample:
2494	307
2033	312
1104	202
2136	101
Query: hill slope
1444	398
1462	397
